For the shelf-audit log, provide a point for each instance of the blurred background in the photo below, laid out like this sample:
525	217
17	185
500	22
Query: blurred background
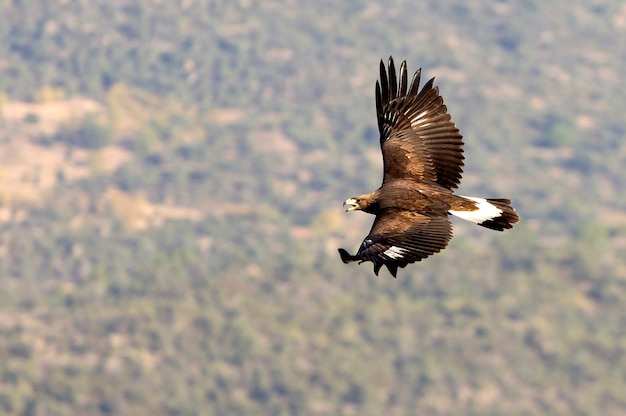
171	181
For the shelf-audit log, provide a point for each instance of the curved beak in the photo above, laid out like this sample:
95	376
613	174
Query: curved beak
351	204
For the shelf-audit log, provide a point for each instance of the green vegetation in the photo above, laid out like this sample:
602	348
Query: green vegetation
86	133
170	208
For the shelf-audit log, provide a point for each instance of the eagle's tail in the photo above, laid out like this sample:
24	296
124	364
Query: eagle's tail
496	214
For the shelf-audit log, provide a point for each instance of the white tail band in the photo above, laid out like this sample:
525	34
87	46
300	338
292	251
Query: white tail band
486	211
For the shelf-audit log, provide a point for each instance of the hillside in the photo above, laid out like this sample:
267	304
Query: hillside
170	210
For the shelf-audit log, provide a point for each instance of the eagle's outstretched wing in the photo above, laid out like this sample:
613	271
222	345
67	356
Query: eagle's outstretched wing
417	136
399	237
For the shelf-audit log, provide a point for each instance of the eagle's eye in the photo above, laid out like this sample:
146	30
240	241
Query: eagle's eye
358	200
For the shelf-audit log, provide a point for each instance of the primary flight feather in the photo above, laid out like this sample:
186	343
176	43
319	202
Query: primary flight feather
423	163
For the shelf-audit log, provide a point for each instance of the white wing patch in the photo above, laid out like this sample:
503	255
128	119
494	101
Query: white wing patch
415	121
486	211
394	252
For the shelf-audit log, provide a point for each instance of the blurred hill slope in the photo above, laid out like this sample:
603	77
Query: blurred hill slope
170	205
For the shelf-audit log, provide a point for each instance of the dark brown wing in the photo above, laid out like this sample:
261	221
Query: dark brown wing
400	237
418	138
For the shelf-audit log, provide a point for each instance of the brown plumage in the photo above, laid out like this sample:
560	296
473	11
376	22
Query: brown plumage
423	160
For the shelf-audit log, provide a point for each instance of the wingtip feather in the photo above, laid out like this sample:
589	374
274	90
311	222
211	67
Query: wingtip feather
393	269
415	82
384	82
403	79
346	257
393	83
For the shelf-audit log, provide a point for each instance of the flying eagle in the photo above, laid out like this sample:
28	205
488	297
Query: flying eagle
423	159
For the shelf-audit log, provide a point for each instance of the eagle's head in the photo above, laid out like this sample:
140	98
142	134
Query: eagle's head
366	202
352	204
